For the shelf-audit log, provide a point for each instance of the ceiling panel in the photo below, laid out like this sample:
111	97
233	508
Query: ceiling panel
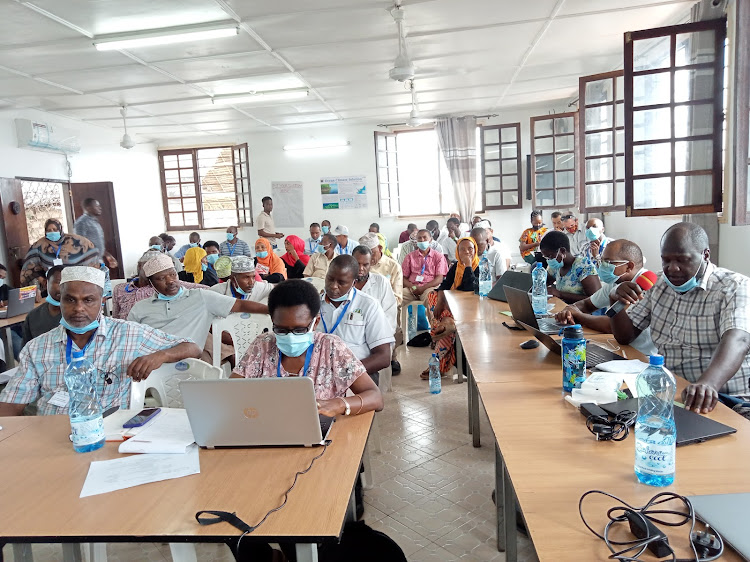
19	86
258	10
573	66
16	17
235	44
71	54
149	94
253	83
205	116
583	6
127	76
135	121
304	118
96	114
216	68
440	14
383	50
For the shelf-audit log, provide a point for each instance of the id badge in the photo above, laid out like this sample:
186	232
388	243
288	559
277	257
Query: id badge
57	261
60	398
419	278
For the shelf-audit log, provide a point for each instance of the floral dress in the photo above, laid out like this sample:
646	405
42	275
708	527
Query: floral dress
531	236
571	281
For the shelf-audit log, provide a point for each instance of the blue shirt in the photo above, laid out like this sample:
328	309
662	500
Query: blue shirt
181	252
350	245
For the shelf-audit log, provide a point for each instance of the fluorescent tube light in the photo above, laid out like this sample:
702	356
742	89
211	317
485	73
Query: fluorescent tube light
317	145
261	97
166	36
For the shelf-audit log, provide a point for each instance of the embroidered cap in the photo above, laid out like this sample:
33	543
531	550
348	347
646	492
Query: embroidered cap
157	264
370	240
242	264
83	273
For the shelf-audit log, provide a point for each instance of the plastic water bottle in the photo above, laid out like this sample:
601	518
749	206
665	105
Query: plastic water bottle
435	382
411	328
655	432
539	290
573	357
485	278
86	422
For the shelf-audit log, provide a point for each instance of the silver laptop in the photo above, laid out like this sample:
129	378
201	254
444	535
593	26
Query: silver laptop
727	515
520	306
264	412
20	301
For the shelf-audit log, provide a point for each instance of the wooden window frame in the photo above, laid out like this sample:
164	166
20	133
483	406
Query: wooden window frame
198	189
554	153
238	187
715	206
391	185
741	211
582	132
519	185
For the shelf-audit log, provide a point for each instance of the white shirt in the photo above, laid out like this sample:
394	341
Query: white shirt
265	222
364	326
449	247
350	245
379	288
577	241
259	292
311	245
497	255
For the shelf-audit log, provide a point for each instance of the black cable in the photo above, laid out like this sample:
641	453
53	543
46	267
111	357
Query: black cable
616	429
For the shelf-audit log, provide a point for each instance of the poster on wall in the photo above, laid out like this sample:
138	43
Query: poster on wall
346	192
287	204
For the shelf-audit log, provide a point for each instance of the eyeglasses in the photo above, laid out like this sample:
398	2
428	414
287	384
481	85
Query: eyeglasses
614	263
295	331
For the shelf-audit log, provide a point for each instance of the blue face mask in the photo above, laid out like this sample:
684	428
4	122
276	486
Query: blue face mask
193	244
342	298
423	245
262	254
212	258
81	330
204	266
52	301
294	345
320	249
168	298
592	234
230	236
156	247
607	272
53	236
688	285
324	229
554	264
240	291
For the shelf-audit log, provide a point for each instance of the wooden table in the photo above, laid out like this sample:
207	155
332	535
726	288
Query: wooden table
546	458
7	324
43	477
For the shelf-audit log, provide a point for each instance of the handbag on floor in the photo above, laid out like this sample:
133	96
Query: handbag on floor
363	544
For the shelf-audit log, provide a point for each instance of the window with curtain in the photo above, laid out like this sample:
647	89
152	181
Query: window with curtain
205	187
742	116
500	151
673	116
554	141
412	176
601	152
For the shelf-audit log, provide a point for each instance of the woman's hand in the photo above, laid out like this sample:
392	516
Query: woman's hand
331	408
551	290
466	259
444	328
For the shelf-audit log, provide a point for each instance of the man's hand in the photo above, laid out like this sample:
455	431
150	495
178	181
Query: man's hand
628	292
331	408
568	315
141	367
110	261
417	291
594	248
699	397
279	235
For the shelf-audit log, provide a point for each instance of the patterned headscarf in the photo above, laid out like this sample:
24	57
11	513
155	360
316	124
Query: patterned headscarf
460	266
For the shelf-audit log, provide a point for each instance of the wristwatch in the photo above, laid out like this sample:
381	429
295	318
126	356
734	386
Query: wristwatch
347	408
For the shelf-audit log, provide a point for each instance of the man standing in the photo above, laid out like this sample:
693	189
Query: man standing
311	244
596	241
120	351
87	225
266	228
355	317
233	246
449	238
319	262
699	316
375	285
576	237
195	242
242	284
344	246
423	270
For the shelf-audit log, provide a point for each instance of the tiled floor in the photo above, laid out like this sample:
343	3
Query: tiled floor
432	491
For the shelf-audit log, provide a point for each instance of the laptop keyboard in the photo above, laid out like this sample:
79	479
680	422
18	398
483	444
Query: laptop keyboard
325	424
596	354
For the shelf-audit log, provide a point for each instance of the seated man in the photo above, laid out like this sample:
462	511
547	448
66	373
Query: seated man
195	242
411	245
180	312
311	244
119	350
355	317
699	316
46	316
374	284
242	284
319	262
423	269
344	246
449	238
596	241
576	237
557	223
405	235
498	254
622	261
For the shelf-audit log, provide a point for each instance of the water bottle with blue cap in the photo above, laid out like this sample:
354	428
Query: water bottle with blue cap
86	422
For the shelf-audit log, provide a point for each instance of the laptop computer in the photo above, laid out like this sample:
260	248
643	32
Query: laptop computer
726	514
267	412
520	307
691	427
595	353
515	279
20	301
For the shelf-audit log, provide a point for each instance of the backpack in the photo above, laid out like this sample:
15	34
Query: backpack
363	544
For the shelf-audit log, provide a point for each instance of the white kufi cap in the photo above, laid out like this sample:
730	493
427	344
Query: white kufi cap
82	273
157	264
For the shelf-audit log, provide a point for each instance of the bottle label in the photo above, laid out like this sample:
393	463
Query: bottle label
87	432
574	365
654	459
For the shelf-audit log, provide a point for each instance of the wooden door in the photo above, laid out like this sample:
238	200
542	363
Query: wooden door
14	219
103	192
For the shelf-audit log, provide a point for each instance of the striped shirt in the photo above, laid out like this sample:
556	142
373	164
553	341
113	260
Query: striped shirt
687	328
239	248
115	345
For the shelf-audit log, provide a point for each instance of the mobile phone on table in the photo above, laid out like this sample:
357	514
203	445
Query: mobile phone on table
142	417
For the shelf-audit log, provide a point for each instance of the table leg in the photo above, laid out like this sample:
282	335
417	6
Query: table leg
351	510
72	552
10	360
459	361
474	410
307	552
469	395
509	518
22	553
499	499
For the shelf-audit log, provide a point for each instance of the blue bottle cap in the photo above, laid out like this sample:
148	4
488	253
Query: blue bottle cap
538	264
655	359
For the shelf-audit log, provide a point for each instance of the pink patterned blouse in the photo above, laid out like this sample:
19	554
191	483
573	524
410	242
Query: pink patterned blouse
333	367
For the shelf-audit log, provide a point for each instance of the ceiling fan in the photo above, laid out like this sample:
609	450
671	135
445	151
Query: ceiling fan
403	68
127	143
415	117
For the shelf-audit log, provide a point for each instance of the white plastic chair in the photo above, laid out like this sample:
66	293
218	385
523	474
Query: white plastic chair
316	282
109	306
243	329
164	381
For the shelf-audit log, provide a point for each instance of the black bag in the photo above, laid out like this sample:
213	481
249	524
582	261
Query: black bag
420	340
363	544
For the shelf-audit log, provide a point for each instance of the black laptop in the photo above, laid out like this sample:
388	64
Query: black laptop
520	307
515	279
691	427
595	354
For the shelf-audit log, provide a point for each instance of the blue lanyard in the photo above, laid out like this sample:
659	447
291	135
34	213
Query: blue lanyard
57	255
345	250
69	348
308	356
424	265
343	313
310	245
232	247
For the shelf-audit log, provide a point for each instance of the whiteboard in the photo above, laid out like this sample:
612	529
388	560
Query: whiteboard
287	204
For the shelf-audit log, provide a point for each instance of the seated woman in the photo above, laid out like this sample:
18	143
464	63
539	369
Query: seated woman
462	276
268	266
531	237
294	348
295	259
197	269
574	277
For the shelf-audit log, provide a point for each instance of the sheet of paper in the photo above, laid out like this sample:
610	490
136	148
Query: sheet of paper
127	472
169	432
623	366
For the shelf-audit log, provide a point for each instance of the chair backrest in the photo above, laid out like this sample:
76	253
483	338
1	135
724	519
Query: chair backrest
316	282
164	381
243	329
